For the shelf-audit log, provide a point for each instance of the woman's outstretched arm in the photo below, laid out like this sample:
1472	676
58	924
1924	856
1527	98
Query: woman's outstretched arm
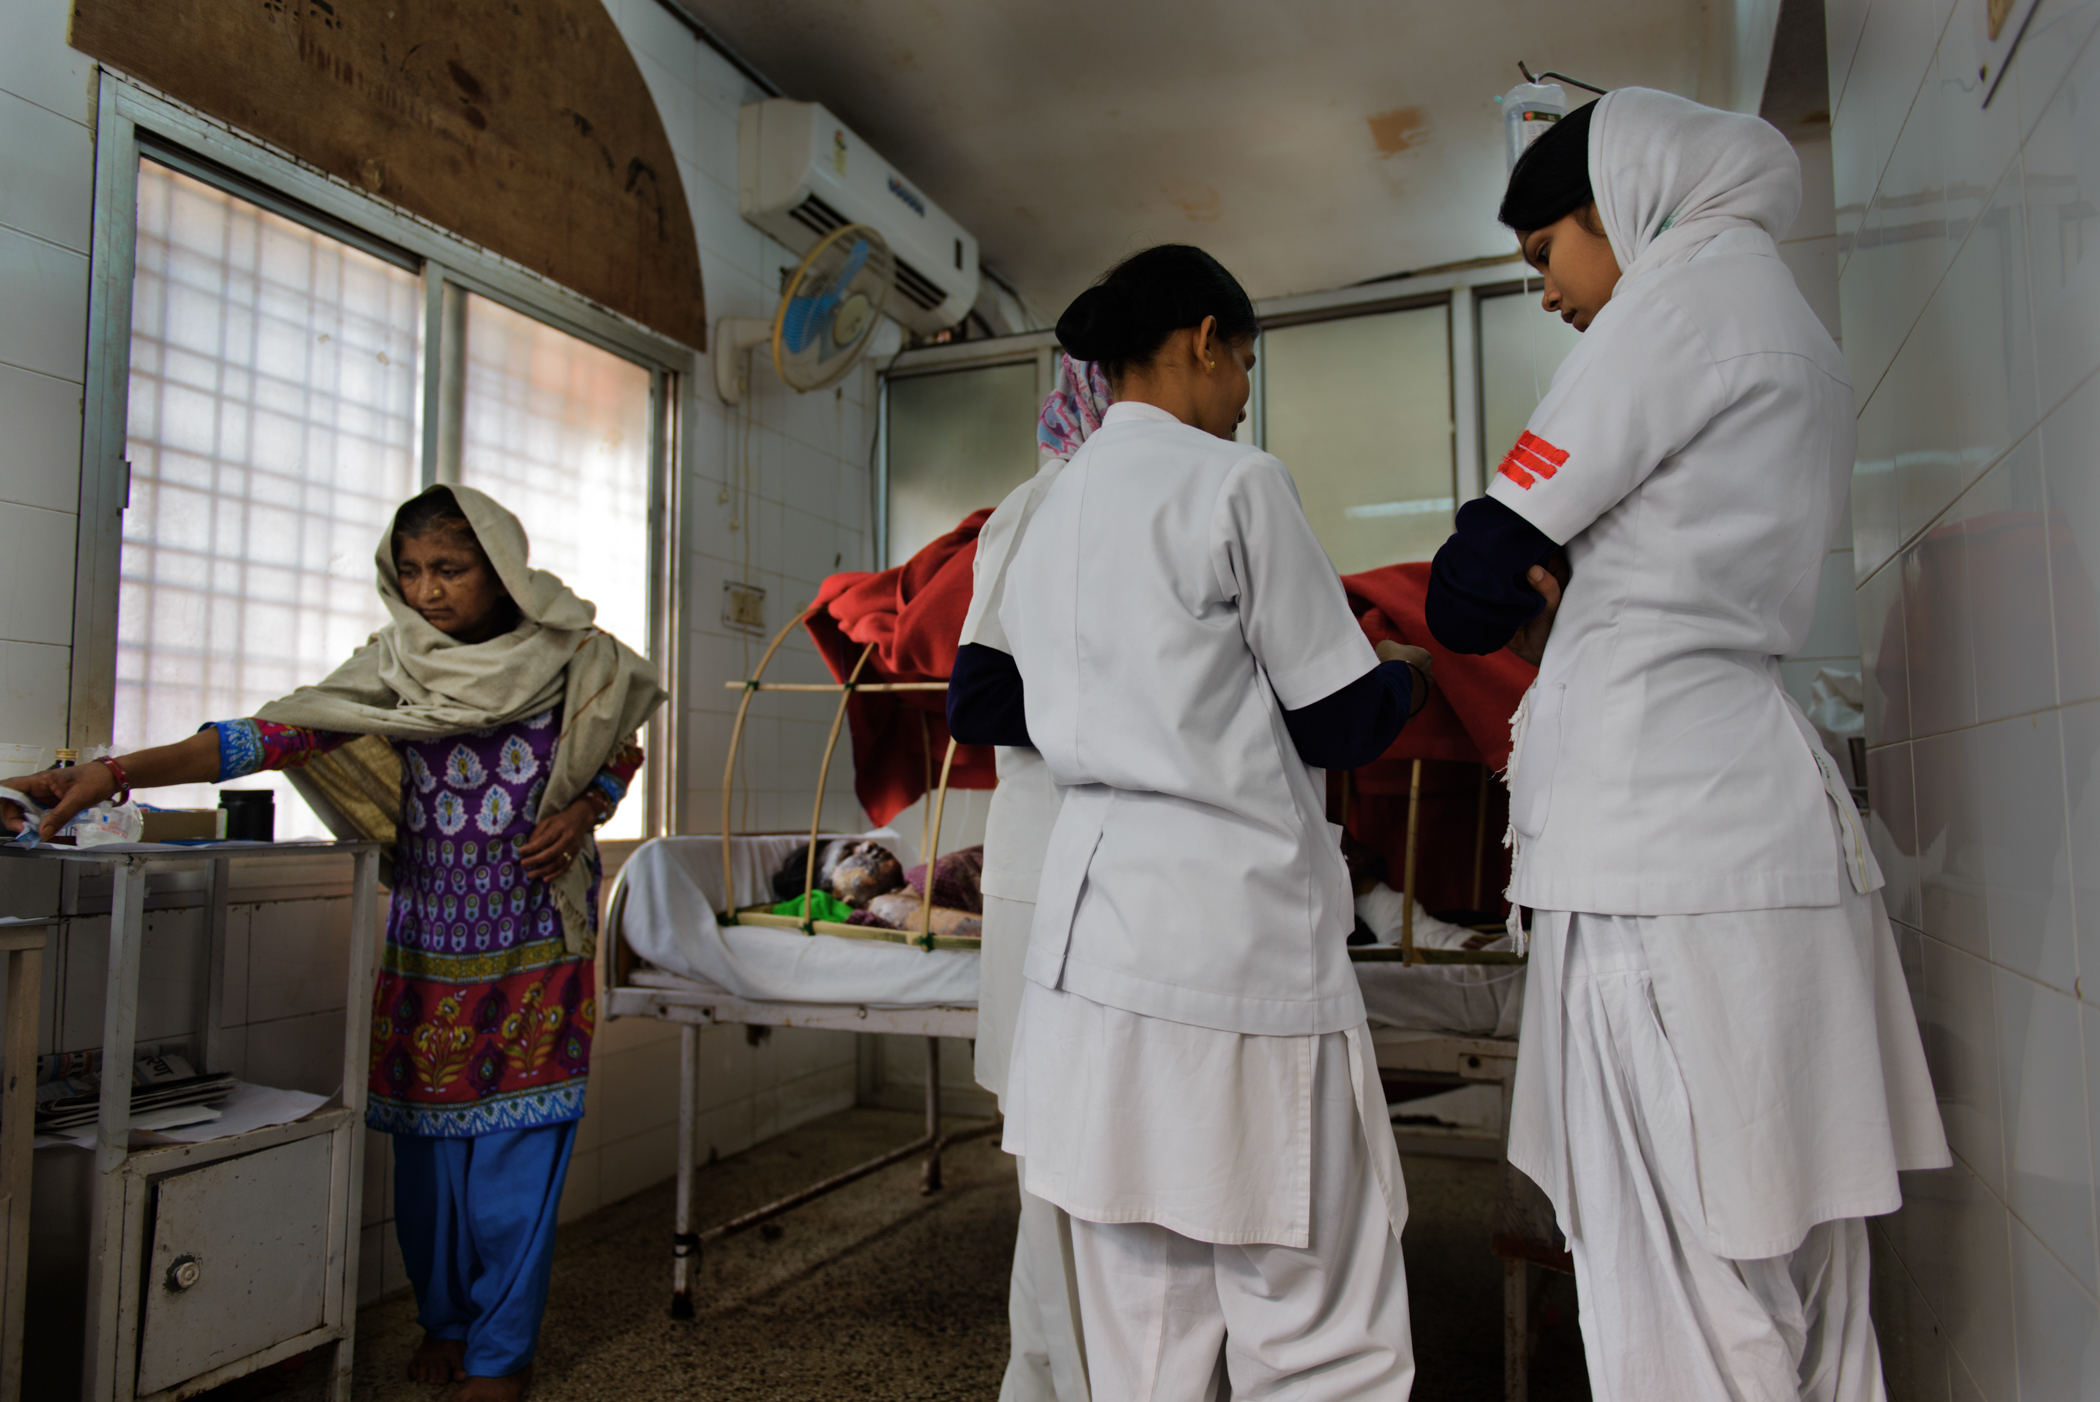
65	792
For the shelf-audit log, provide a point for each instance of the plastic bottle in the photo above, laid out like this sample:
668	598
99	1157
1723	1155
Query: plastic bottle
1528	111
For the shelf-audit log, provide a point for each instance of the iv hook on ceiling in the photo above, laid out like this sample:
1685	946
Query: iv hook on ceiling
1530	78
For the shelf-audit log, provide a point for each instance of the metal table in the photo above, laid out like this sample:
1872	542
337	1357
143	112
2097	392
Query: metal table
208	1261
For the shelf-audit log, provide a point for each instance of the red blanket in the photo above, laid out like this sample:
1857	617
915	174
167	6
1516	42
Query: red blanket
913	617
1465	724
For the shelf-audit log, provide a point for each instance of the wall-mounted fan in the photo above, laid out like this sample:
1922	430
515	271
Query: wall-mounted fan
827	315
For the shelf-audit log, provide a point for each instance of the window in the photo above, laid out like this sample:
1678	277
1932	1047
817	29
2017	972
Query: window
272	432
1359	409
1382	407
291	377
957	441
558	431
1521	345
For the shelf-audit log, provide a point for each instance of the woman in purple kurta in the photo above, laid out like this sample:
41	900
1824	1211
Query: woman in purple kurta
511	720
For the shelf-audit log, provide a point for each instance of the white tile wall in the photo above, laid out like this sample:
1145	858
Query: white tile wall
45	201
1969	305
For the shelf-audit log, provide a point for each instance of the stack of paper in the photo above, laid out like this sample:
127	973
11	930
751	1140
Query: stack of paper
165	1092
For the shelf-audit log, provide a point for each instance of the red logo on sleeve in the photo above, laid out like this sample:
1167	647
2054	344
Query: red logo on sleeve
1532	458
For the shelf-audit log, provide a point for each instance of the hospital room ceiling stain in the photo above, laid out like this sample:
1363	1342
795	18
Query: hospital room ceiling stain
1066	136
1402	129
1199	202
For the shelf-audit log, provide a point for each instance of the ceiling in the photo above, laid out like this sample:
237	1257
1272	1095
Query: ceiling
1308	144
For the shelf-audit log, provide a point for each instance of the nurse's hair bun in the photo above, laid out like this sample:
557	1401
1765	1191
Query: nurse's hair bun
1123	320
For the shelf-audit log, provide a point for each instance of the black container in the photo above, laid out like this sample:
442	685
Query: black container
251	814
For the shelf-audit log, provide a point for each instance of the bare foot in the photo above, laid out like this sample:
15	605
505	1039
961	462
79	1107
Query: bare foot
438	1361
505	1389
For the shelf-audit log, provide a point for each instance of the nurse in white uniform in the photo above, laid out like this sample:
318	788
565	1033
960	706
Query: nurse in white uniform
1191	1076
1047	1362
1721	1074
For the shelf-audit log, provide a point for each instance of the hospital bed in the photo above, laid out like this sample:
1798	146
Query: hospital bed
692	942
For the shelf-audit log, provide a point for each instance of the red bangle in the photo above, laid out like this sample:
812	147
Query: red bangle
116	770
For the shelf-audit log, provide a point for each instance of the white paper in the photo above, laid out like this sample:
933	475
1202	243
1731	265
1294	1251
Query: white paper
245	1107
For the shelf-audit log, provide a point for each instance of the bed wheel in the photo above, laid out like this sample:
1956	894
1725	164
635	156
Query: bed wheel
681	1305
930	1176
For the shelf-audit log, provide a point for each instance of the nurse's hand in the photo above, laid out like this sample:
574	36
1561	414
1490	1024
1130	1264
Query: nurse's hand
1548	579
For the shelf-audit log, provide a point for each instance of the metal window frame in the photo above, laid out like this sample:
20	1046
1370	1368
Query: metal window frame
1487	292
133	122
1460	289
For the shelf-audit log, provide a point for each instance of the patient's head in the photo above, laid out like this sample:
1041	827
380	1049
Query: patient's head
1171	327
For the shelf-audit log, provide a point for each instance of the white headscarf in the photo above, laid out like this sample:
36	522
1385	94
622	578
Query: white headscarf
1669	175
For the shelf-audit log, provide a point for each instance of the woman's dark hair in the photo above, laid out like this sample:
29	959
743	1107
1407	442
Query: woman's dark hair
1552	178
1125	318
434	512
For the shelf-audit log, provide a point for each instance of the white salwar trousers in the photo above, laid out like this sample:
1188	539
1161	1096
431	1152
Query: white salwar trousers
1645	1098
1170	1318
1047	1362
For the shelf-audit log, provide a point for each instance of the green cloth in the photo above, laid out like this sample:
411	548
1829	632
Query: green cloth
828	907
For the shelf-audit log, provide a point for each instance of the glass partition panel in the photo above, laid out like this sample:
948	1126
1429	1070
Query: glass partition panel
1521	346
272	432
959	440
558	431
1359	409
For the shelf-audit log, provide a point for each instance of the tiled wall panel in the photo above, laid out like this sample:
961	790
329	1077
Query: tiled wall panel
1969	304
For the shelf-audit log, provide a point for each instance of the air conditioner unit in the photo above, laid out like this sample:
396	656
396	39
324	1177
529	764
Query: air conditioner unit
802	173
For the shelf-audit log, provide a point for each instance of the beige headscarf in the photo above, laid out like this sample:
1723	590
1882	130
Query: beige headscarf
411	682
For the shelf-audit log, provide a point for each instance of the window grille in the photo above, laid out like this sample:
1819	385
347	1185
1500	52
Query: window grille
271	433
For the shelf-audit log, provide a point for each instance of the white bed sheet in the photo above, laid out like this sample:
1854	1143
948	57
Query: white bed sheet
1479	1000
674	887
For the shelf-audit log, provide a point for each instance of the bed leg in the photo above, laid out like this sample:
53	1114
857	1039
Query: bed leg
685	1242
930	1177
1516	1330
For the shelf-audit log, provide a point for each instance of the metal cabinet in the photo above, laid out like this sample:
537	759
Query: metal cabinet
208	1261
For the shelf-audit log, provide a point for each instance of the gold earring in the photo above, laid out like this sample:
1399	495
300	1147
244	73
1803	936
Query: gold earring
1213	364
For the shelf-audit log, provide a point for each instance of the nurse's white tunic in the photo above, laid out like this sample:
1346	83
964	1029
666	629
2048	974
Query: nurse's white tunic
1693	455
1188	963
1023	808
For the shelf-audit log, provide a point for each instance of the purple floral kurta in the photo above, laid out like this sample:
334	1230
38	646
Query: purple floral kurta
481	1020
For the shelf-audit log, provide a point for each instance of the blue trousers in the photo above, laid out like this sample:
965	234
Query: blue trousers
475	1218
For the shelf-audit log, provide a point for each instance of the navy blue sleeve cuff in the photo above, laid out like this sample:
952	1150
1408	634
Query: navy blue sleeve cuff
1357	724
1477	594
985	698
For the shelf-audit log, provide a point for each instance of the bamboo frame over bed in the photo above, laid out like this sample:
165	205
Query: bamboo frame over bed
1404	953
760	914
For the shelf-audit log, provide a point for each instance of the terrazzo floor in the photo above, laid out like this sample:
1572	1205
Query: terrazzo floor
876	1293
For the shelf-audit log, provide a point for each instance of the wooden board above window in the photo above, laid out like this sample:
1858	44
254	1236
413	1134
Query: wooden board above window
524	128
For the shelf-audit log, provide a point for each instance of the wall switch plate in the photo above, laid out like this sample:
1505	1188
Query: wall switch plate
743	607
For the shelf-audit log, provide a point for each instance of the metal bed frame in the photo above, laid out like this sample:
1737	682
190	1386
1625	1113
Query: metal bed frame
694	1005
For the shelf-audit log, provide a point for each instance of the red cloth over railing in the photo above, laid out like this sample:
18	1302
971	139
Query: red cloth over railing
913	614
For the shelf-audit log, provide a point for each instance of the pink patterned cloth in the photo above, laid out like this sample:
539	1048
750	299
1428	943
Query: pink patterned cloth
1074	408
